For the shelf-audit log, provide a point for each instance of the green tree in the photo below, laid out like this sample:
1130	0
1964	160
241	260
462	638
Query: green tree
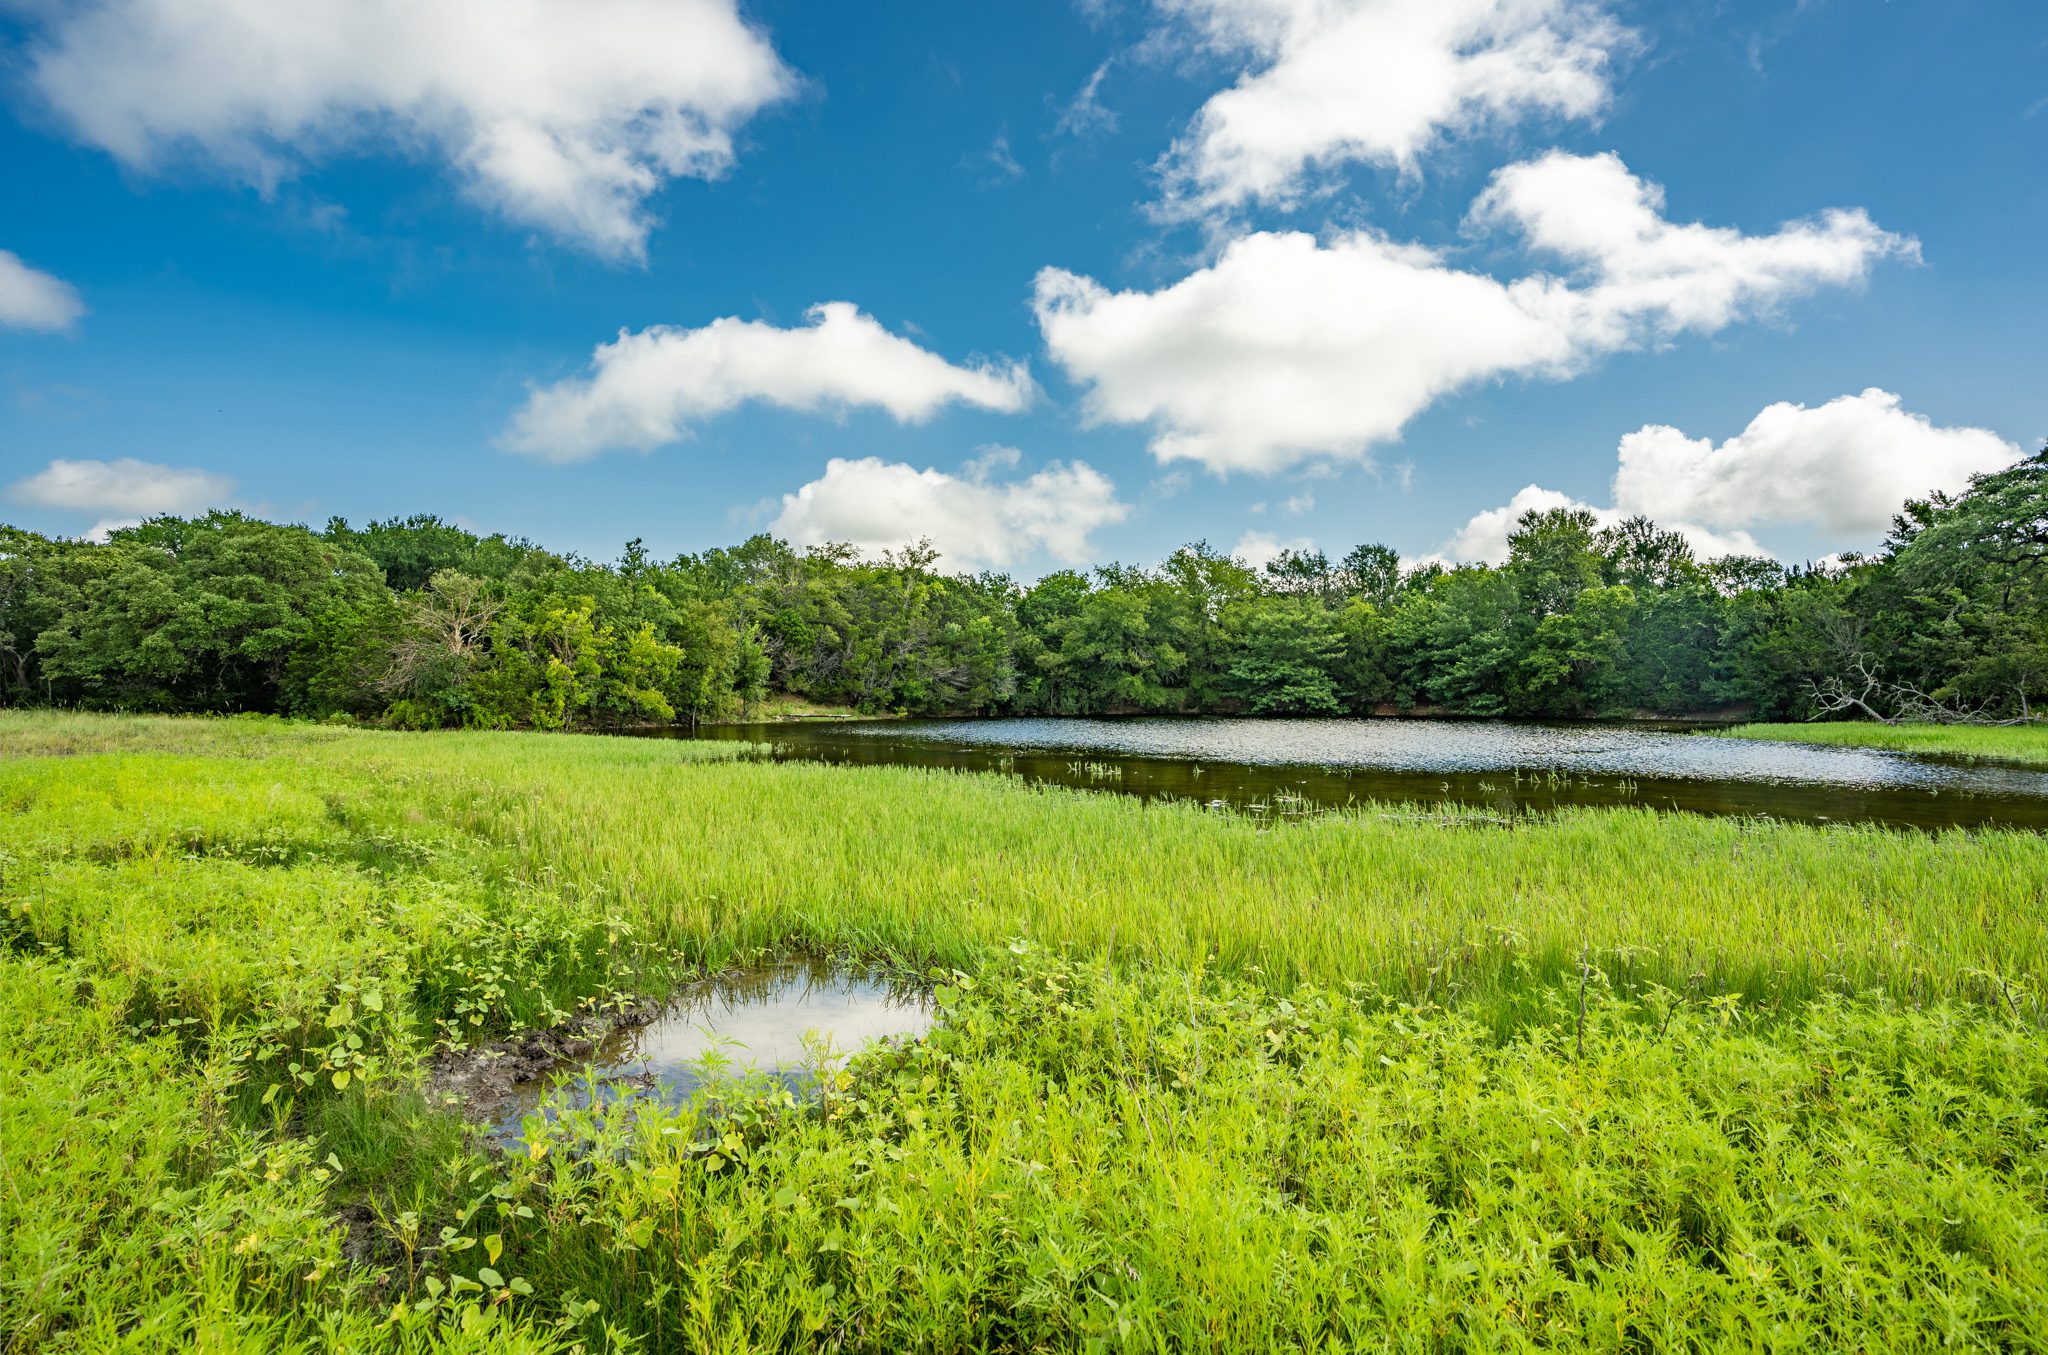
1369	665
1574	662
1046	615
1457	636
1373	572
1552	558
1960	611
412	550
438	647
1112	645
1286	650
42	581
1193	590
206	614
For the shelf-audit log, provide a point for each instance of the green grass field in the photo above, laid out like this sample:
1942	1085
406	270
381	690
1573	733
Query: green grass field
2002	743
1398	1078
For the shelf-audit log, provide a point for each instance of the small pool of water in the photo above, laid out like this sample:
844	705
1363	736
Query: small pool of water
786	1020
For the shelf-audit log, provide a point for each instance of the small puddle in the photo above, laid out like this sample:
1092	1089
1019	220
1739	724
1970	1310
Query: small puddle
772	1020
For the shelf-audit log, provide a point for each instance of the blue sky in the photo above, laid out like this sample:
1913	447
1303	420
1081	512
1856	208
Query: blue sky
1294	300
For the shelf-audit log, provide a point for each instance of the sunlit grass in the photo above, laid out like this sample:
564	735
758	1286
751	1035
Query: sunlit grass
1398	1076
702	857
2003	743
712	859
1157	1162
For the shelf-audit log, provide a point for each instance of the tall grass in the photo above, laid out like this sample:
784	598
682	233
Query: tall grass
700	857
714	859
1999	743
1398	1076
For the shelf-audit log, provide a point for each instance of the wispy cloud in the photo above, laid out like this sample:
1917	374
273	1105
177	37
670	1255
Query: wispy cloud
33	299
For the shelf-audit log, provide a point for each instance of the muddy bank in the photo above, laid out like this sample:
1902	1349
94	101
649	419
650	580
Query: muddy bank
478	1080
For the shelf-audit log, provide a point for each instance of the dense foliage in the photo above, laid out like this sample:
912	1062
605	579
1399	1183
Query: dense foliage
1381	1079
424	625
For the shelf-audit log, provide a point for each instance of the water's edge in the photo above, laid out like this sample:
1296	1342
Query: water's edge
1288	766
785	1020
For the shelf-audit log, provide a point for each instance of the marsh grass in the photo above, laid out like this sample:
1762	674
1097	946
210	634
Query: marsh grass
2025	744
1201	1079
1084	1158
933	864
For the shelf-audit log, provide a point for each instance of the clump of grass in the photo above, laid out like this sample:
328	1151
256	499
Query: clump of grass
137	1213
56	733
2027	744
685	855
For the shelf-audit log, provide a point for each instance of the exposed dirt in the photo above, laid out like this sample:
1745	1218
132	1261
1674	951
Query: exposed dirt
476	1082
363	1244
479	1080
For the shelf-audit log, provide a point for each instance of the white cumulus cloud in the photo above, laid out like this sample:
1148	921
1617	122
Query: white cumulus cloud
1842	469
1375	81
974	519
1845	467
646	389
1256	549
1288	349
33	299
1636	275
1285	349
565	115
1484	539
121	492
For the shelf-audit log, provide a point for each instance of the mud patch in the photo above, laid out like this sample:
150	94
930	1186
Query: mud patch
480	1080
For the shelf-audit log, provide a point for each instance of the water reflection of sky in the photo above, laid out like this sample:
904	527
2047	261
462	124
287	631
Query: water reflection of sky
762	1019
1471	746
1284	766
776	1020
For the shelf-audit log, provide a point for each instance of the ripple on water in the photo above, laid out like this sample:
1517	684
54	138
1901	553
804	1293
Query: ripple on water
1282	765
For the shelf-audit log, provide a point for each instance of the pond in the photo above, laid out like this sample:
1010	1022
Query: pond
1291	766
785	1020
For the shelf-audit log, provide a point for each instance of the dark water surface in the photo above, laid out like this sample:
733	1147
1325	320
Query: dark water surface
784	1020
1288	766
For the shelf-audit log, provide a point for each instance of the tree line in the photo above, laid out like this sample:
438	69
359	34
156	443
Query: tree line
417	623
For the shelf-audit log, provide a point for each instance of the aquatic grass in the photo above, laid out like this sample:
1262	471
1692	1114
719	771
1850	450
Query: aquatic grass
2025	744
684	853
715	858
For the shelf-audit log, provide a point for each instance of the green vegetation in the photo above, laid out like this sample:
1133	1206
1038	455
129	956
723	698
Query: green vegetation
1399	1077
421	625
1081	1159
2002	743
780	706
